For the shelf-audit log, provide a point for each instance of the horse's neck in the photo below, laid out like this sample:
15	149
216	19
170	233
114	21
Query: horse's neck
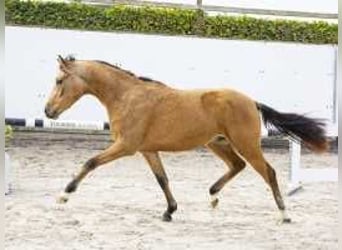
110	86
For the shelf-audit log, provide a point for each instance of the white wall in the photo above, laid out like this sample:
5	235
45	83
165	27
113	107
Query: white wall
287	76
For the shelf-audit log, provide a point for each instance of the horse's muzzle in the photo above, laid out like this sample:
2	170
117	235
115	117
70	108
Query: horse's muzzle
50	113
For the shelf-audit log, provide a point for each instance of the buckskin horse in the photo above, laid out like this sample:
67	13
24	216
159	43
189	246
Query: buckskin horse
148	116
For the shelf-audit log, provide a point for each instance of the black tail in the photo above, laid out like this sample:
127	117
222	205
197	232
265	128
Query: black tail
299	127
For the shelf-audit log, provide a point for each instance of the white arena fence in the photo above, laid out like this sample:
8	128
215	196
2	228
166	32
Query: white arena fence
57	124
300	175
296	177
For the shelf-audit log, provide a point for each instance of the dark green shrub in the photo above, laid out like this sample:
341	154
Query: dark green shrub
165	21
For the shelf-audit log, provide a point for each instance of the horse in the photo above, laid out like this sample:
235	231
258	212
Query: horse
148	116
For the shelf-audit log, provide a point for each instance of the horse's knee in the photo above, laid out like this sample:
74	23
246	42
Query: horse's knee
91	164
87	167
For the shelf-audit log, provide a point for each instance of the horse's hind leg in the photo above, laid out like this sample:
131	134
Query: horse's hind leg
235	164
253	154
272	179
157	168
269	175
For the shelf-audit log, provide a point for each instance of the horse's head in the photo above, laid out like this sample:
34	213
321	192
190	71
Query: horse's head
69	87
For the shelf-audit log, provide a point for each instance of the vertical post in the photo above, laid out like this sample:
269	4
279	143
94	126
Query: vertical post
199	4
295	153
295	150
199	24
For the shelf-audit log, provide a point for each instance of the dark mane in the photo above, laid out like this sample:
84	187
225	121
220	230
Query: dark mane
141	78
70	58
145	79
116	67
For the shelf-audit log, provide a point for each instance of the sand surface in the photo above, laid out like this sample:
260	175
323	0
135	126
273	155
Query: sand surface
119	206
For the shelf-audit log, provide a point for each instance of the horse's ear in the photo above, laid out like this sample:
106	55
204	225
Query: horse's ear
62	63
60	59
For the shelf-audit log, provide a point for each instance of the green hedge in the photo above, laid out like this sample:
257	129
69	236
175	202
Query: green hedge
165	21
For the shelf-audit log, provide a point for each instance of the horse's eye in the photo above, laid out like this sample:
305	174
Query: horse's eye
59	81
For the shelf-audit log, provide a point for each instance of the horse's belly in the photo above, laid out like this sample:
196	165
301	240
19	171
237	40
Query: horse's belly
178	136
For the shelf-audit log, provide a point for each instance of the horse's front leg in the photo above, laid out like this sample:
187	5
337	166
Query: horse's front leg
117	150
157	168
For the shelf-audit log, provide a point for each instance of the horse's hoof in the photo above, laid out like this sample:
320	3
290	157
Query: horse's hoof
214	202
167	217
62	199
284	221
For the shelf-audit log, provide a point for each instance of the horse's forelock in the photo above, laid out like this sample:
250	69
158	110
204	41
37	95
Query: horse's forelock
70	58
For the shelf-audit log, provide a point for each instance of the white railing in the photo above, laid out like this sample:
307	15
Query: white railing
299	175
220	9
